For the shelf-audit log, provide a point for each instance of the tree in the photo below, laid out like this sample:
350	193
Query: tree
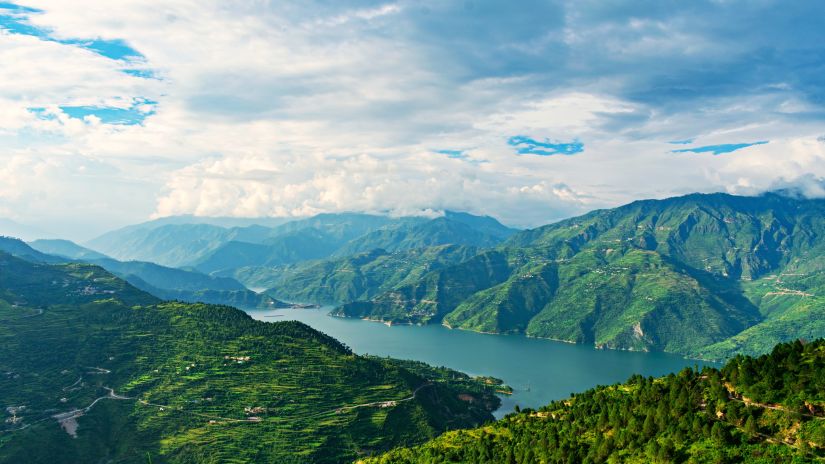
751	427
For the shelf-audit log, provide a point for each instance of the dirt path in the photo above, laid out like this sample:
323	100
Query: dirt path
384	404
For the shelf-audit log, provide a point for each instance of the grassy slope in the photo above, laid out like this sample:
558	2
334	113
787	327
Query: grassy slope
179	365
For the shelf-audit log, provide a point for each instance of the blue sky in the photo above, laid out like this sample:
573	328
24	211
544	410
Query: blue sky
116	112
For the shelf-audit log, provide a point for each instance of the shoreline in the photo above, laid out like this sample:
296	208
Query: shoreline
594	346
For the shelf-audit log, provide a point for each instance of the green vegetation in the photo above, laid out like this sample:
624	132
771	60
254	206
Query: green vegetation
453	228
361	276
95	370
701	275
769	409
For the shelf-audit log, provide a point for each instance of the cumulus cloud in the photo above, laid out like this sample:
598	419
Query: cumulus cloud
807	186
293	108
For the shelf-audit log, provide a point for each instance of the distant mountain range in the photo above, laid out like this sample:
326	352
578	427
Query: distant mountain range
162	282
214	249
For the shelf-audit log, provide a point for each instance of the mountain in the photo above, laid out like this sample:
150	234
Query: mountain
757	410
701	275
217	250
171	245
17	247
160	281
177	243
190	286
361	276
452	228
94	370
66	249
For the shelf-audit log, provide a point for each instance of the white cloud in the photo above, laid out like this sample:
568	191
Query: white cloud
294	108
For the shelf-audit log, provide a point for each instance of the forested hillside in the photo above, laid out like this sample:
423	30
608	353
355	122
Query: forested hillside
769	409
360	276
701	275
95	370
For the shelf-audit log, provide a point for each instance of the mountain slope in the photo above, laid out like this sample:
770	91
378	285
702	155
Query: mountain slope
674	275
95	370
187	241
65	248
17	247
360	276
217	250
171	245
756	410
160	281
453	228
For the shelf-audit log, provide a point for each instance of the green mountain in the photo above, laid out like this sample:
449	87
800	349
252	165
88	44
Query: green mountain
193	287
183	241
769	409
361	276
17	247
452	228
66	249
162	282
332	236
94	370
703	275
217	250
174	245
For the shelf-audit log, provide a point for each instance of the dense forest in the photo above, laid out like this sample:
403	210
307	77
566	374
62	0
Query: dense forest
769	409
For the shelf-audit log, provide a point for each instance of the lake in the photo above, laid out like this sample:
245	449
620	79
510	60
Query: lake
538	370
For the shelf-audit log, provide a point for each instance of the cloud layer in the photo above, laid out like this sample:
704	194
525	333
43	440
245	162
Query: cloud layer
112	113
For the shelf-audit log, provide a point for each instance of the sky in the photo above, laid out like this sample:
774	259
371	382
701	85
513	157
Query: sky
118	112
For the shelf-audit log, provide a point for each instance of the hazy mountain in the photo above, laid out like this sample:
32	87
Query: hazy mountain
66	249
168	244
215	249
177	243
19	248
706	275
453	229
160	281
341	235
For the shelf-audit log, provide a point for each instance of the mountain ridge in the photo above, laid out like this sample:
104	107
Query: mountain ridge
643	276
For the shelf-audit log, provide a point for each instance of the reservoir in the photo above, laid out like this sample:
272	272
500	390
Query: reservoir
538	370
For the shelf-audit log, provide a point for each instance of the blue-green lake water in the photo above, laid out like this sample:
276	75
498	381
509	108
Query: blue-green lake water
538	370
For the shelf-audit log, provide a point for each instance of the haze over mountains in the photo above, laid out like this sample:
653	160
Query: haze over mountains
212	248
162	282
705	275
